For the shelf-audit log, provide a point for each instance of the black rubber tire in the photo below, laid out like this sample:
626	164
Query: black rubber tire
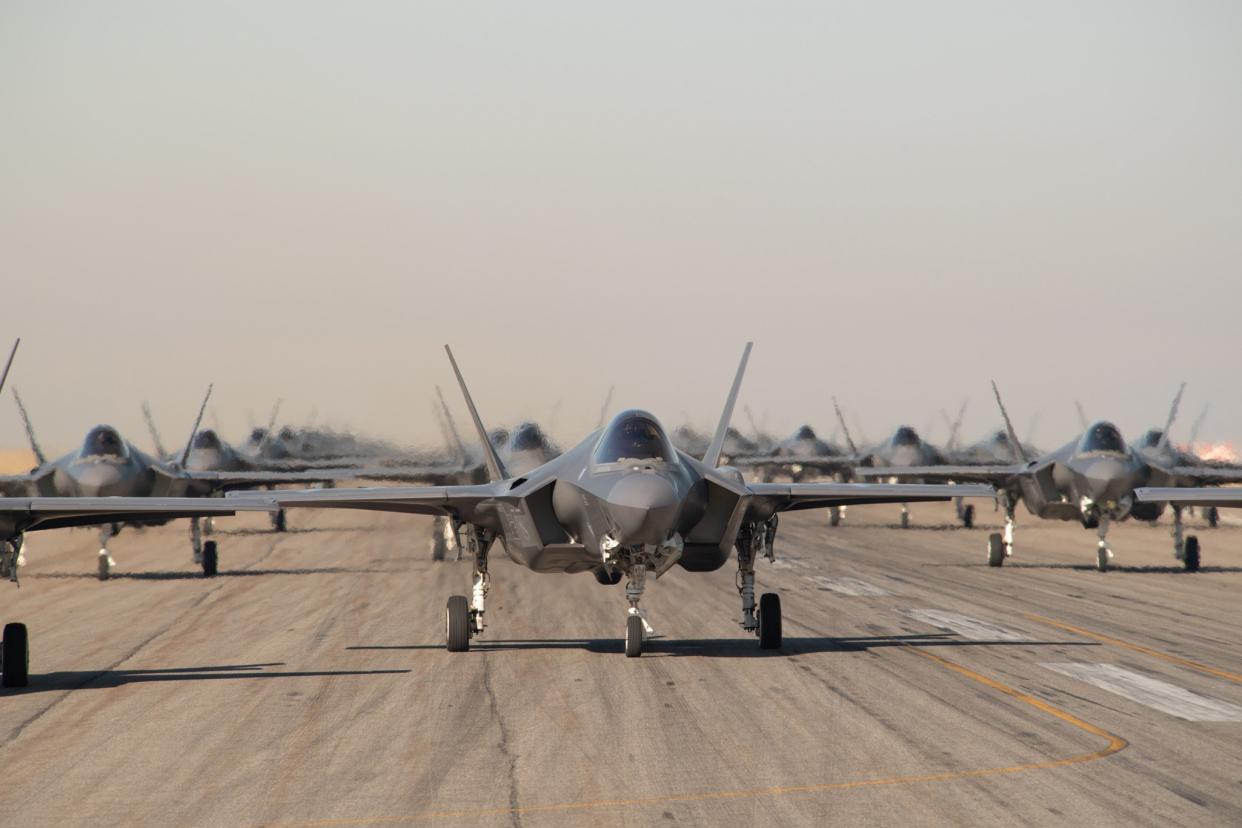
1101	560
1213	516
15	656
279	522
905	520
633	636
105	568
834	516
769	621
968	516
457	624
211	559
996	549
1190	554
438	547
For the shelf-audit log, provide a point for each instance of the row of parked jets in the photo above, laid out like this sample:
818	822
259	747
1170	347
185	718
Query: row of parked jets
625	503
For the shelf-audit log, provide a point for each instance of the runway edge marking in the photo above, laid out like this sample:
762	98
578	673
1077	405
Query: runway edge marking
1115	745
1139	648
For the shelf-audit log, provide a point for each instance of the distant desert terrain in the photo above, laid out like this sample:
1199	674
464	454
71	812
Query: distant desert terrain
16	461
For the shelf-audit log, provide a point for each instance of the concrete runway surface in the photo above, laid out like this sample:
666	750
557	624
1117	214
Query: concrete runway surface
308	684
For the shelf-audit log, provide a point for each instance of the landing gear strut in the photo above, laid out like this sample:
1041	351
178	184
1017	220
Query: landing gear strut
106	561
464	618
206	553
905	516
11	557
753	541
1103	553
636	627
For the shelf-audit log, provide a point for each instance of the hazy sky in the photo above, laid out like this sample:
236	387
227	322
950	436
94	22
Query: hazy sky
896	201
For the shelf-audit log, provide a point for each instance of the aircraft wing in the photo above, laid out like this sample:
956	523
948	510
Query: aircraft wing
24	485
227	480
419	500
1190	496
966	474
1208	475
23	514
786	497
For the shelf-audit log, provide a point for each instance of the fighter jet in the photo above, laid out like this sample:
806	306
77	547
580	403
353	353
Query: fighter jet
107	465
623	503
1091	479
28	514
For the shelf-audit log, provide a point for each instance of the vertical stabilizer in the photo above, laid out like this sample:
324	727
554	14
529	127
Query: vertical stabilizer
712	458
495	468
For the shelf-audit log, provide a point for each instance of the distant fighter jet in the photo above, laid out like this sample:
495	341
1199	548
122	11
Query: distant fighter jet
107	465
623	503
1091	479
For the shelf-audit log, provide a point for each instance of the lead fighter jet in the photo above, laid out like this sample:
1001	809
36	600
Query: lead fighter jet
623	503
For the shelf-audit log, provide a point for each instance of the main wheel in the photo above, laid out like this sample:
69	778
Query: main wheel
996	549
1213	516
1190	554
769	621
834	516
15	656
457	624
279	523
1101	559
211	559
905	520
633	636
105	566
968	515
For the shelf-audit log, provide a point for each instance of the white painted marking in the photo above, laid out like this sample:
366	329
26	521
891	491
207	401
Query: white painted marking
1152	692
789	563
964	625
848	586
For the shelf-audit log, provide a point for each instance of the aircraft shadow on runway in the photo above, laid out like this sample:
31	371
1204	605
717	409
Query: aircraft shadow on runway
294	530
105	679
735	647
196	575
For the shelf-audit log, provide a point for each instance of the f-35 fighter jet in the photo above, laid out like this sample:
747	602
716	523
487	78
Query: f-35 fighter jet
623	503
1091	479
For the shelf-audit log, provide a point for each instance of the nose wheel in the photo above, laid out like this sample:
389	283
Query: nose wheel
457	624
769	621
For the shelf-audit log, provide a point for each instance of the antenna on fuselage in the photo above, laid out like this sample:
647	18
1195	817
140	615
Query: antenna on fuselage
185	455
1177	400
1019	452
495	468
712	457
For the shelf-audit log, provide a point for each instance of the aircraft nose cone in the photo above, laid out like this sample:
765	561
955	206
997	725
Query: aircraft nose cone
97	479
1105	479
642	508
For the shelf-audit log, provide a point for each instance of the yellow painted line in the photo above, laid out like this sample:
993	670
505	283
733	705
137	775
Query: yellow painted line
1139	648
1115	744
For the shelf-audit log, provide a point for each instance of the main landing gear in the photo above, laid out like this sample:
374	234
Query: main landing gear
443	539
1000	545
753	541
463	620
15	656
206	553
965	513
1185	550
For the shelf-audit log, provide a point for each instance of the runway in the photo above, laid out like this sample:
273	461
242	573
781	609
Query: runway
308	685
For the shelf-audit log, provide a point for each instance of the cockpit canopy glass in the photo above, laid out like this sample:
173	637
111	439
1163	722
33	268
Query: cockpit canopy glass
1102	437
1151	438
633	435
805	433
206	440
527	437
104	441
905	436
